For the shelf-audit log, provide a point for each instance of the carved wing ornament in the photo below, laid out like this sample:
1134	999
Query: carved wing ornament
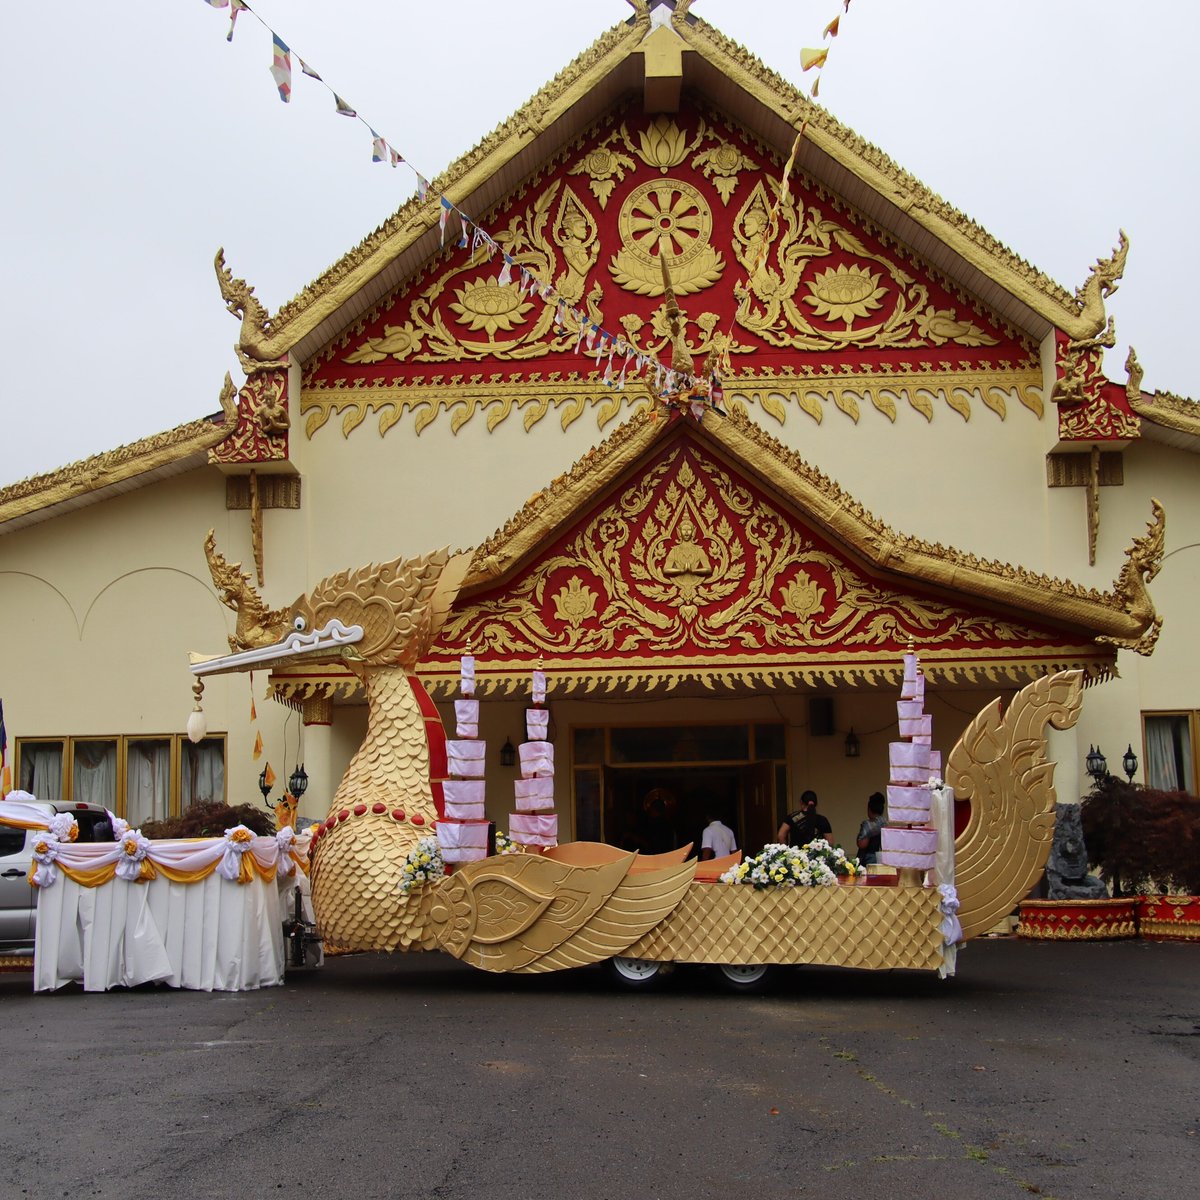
999	766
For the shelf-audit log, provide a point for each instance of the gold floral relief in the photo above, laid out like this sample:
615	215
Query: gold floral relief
557	243
688	557
879	305
723	164
605	168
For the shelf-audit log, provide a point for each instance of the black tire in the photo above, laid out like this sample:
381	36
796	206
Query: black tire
638	974
745	977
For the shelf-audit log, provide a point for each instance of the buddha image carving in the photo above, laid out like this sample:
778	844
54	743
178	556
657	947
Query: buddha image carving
686	563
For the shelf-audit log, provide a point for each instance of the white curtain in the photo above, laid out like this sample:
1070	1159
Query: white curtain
1169	754
94	775
42	769
203	772
147	781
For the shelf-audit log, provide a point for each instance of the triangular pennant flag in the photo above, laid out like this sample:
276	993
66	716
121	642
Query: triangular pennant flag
422	186
816	87
812	58
342	108
379	147
281	67
253	710
394	157
593	329
308	70
831	30
443	217
268	777
505	276
219	3
464	230
258	747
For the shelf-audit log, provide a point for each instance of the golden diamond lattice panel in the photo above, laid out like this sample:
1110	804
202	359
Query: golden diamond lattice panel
843	926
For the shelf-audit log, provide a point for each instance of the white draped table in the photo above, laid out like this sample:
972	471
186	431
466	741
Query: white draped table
214	935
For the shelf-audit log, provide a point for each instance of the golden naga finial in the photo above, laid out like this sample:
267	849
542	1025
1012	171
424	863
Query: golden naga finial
1143	560
257	625
681	356
228	397
1099	285
1133	381
241	301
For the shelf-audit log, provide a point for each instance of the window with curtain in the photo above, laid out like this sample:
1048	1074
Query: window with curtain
147	780
41	770
202	771
1170	753
140	778
94	771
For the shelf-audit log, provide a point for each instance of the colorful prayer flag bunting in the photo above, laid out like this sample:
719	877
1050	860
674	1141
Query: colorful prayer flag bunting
342	108
379	147
308	70
812	58
422	186
281	68
235	7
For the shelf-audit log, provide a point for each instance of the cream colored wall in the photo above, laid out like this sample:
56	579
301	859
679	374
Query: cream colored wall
100	609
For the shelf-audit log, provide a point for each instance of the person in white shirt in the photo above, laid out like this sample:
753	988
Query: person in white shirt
717	840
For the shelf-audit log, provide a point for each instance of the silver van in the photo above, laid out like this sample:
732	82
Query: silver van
18	898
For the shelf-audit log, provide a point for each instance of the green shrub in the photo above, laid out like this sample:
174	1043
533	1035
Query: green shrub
211	820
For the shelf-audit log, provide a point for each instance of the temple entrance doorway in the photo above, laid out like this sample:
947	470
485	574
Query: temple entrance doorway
655	809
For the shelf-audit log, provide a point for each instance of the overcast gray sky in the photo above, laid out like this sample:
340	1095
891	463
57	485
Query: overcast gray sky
138	141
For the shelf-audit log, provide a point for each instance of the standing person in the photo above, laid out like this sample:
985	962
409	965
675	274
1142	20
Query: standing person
717	840
806	824
870	839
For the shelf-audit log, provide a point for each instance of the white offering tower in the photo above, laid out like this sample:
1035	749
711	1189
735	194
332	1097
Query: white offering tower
909	840
463	831
535	823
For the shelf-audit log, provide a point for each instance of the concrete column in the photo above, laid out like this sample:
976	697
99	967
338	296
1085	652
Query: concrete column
318	758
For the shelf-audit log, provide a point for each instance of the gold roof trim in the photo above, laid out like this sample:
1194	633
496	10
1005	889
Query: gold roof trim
268	337
1124	614
870	164
113	467
1173	412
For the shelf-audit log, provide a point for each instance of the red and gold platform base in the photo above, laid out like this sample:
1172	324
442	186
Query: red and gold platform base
1169	918
1078	920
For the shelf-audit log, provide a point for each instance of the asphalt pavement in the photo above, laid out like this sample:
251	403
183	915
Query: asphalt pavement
1047	1069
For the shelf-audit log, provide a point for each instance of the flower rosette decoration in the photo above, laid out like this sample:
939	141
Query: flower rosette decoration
131	863
232	865
120	827
818	864
45	854
423	864
64	828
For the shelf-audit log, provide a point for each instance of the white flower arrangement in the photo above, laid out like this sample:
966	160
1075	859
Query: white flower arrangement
134	848
237	842
45	854
64	827
423	864
818	864
505	844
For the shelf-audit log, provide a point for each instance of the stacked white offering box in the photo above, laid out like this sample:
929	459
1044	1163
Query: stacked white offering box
908	838
534	821
463	831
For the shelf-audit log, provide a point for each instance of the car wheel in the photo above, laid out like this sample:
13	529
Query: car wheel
745	977
638	974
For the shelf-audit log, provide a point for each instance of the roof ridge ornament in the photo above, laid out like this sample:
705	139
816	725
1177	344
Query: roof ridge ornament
1099	285
241	301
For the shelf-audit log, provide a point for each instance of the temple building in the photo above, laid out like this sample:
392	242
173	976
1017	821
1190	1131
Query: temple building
916	443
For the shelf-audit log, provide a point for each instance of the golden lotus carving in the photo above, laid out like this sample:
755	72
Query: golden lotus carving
484	304
852	293
663	145
575	603
667	217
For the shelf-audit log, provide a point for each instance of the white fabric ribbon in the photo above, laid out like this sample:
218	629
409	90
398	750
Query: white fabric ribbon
120	827
237	842
285	840
951	928
133	850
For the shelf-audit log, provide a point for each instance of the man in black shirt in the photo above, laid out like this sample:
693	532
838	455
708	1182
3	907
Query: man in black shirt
801	827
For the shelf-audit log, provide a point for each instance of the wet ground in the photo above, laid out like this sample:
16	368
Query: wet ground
1043	1069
